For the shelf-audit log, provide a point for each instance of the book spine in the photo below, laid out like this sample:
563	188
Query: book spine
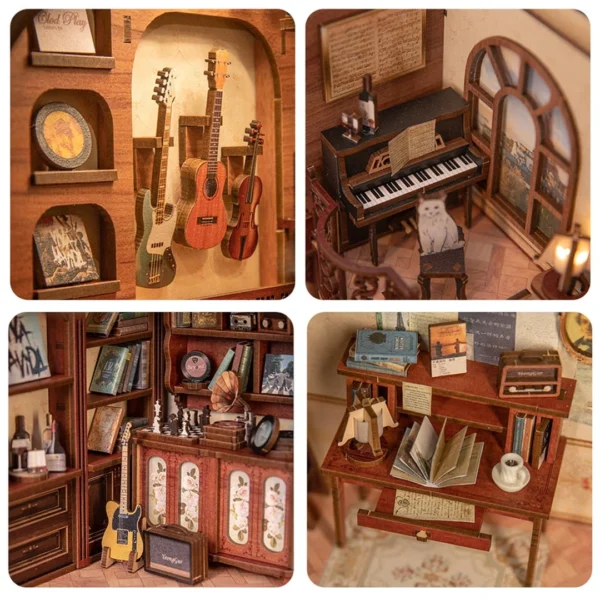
132	322
518	433
134	363
132	329
142	375
374	368
527	437
224	366
245	367
237	358
401	360
125	374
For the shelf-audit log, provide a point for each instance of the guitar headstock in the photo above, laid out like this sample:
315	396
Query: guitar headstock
253	134
126	435
164	92
218	61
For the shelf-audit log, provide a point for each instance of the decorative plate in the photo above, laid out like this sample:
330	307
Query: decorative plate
195	366
62	136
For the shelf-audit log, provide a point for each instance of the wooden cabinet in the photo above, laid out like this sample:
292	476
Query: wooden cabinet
102	487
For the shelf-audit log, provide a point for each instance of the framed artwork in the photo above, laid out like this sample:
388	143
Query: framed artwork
576	335
448	348
105	429
207	320
27	359
278	375
64	31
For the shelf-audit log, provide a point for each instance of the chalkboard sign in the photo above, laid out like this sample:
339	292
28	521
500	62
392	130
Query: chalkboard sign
493	333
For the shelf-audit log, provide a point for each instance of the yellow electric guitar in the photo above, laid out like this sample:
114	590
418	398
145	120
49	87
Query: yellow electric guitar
122	539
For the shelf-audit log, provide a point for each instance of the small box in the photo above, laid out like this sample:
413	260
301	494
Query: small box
529	373
172	551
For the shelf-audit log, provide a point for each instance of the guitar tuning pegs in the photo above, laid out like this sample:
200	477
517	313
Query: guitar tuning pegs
209	73
246	138
254	123
227	76
248	130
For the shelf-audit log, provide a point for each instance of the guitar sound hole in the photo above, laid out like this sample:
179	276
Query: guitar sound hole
210	187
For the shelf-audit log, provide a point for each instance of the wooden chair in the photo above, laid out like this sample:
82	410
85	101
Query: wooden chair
444	265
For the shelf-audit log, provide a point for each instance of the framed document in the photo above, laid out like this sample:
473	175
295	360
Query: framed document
383	43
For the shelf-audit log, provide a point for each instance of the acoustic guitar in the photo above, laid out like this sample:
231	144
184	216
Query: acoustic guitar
123	536
201	214
154	262
242	231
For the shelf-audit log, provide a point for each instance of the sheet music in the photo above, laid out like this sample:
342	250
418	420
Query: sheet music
427	508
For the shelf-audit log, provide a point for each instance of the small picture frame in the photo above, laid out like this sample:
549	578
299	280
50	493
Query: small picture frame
104	429
576	335
66	31
278	375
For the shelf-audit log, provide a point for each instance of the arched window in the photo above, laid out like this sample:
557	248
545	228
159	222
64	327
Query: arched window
521	121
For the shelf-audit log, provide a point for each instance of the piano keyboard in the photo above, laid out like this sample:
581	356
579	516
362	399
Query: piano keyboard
409	185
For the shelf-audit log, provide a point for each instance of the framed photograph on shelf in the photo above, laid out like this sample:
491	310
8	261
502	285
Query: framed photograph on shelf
576	335
448	348
278	375
104	429
65	31
27	358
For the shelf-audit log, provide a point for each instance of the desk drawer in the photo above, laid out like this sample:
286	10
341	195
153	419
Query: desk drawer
467	535
51	504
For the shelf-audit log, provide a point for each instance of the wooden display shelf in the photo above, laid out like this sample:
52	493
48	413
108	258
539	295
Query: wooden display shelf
74	177
72	61
40	384
95	400
275	292
249	396
19	490
232	334
95	341
79	290
97	461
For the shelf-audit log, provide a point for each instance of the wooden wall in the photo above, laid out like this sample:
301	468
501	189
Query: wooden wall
320	116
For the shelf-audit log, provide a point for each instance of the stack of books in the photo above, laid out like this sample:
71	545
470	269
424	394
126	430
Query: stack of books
531	441
239	360
105	324
121	369
389	352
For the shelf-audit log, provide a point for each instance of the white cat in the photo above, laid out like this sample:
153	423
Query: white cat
437	230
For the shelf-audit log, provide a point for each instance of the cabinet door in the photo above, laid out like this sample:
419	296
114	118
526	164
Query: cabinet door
238	503
273	526
102	487
190	481
155	486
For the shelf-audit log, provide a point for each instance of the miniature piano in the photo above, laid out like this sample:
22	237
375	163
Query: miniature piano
359	177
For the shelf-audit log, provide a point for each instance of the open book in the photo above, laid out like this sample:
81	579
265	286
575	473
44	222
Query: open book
431	460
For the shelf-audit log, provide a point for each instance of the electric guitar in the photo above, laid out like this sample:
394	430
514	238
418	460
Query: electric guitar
154	263
242	232
122	535
201	214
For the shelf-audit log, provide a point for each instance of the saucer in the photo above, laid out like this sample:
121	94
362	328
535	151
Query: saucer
509	487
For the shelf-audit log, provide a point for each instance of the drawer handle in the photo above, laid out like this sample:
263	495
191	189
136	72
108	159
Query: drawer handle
422	536
29	506
30	548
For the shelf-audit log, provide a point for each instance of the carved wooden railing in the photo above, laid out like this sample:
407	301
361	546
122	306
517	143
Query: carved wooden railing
333	270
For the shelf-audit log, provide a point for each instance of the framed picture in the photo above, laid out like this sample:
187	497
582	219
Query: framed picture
105	429
448	348
64	31
207	320
27	359
576	335
278	375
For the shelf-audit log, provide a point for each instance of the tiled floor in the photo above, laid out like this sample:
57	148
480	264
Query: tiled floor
570	544
117	576
496	267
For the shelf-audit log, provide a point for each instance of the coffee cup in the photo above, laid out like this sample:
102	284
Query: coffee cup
512	469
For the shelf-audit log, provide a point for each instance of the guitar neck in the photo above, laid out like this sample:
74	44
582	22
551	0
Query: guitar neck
216	99
124	479
161	158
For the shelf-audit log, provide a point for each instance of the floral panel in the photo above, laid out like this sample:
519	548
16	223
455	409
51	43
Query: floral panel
239	507
157	490
274	514
189	495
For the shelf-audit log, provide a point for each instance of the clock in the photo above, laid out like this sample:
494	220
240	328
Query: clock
195	366
264	435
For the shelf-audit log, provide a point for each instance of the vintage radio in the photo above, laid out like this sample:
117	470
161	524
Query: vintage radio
242	321
529	373
274	323
173	551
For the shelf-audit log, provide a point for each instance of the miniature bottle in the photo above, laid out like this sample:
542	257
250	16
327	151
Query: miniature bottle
20	445
367	103
47	433
56	459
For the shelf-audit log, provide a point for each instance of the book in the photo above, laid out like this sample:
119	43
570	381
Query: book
373	345
224	366
448	348
237	357
132	315
396	369
142	379
109	369
105	428
183	319
528	425
541	441
100	323
278	375
27	357
131	322
125	371
518	433
426	458
245	367
130	330
64	251
137	348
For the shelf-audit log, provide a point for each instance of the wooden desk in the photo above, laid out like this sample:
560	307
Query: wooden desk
471	400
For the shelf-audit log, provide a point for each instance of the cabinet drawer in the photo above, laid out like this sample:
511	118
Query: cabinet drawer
50	504
40	555
467	535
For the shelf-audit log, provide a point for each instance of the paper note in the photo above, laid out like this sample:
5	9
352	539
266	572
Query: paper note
411	143
427	508
420	322
493	333
416	398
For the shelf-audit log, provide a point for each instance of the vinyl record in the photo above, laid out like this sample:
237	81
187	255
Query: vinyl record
195	366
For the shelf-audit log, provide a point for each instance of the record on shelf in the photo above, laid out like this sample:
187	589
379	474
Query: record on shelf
195	366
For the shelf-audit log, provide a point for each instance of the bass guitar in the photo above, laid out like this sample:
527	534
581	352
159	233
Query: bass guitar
122	539
154	262
201	214
242	232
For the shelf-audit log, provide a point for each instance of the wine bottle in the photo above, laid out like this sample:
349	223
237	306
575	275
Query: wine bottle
56	459
367	103
20	445
47	433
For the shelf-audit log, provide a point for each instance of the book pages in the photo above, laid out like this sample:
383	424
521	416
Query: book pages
471	477
423	507
450	455
424	447
462	465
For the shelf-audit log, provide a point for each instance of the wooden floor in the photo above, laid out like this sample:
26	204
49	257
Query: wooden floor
117	576
570	544
496	267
